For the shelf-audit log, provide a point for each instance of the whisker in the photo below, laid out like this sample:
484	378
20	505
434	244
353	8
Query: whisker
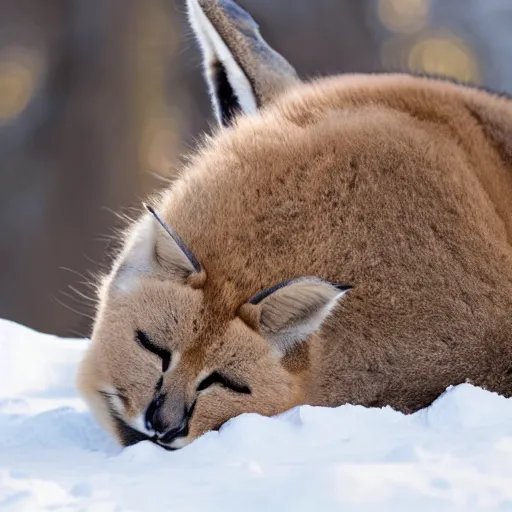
81	313
83	295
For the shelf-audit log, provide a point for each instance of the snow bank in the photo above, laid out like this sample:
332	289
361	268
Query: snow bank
455	455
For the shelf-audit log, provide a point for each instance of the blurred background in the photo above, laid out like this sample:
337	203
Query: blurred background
99	98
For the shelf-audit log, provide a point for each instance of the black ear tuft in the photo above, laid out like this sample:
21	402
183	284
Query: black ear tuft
196	266
256	299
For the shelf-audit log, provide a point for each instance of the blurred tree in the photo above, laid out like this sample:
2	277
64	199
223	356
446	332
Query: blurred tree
69	154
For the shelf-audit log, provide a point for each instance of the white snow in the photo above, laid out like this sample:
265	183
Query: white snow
454	455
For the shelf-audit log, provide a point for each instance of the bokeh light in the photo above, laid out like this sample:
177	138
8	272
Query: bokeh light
416	47
444	55
19	76
404	16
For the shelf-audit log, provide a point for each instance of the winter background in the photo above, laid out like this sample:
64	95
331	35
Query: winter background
98	100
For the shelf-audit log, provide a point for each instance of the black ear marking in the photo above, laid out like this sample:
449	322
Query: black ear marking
242	71
179	242
256	299
229	105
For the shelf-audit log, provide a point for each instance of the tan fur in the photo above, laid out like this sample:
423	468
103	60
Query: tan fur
397	185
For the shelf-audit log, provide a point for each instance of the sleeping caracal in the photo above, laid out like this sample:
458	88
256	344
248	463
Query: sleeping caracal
346	240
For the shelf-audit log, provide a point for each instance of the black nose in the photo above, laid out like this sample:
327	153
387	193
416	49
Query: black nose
156	421
153	418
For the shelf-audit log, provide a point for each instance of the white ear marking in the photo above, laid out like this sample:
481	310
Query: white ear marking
213	47
136	258
243	72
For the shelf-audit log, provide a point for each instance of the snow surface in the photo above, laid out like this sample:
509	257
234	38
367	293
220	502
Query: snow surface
454	455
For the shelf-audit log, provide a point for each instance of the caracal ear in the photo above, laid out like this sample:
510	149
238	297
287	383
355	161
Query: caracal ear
292	311
155	249
243	72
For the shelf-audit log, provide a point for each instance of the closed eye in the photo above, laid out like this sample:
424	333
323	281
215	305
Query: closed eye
144	341
217	378
110	397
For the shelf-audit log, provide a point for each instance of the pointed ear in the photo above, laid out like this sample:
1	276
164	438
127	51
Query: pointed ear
172	251
154	248
292	311
242	71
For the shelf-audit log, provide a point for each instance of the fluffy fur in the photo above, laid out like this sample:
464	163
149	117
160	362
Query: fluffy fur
396	185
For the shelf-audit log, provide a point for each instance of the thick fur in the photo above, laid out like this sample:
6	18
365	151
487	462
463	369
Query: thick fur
399	186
